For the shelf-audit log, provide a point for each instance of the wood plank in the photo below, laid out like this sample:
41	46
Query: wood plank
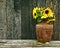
2	19
17	21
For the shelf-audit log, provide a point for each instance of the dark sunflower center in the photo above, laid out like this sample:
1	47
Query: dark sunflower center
35	14
46	11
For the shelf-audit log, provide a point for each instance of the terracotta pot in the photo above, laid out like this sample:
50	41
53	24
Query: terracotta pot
44	32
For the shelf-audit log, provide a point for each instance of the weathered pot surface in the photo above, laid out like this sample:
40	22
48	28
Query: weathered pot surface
44	32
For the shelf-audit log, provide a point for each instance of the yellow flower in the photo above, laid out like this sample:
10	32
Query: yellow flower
44	16
35	15
47	13
50	20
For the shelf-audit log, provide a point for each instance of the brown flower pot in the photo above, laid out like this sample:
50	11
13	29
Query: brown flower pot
44	32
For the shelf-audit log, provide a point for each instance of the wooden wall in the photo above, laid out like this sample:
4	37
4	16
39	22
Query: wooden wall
2	19
16	20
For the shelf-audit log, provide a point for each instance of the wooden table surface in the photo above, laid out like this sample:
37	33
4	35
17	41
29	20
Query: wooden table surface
26	44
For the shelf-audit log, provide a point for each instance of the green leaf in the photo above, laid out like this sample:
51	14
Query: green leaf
39	19
39	12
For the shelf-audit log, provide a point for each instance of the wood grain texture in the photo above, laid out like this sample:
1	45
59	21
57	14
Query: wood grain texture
2	19
53	4
13	21
16	20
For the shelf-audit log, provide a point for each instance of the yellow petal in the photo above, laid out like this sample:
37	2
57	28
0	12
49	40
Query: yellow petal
39	43
47	43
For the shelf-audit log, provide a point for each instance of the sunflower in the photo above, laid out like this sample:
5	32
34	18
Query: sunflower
47	13
44	16
50	20
36	11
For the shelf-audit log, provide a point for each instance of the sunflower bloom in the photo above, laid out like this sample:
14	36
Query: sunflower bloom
44	16
50	20
35	15
47	13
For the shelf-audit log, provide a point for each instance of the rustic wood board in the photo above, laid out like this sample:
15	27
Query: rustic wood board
27	43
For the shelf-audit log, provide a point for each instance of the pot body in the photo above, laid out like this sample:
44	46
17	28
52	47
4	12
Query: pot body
44	32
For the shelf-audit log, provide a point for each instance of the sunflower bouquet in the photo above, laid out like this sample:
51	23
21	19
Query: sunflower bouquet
43	15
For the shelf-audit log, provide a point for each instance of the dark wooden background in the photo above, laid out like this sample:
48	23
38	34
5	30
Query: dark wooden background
16	20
